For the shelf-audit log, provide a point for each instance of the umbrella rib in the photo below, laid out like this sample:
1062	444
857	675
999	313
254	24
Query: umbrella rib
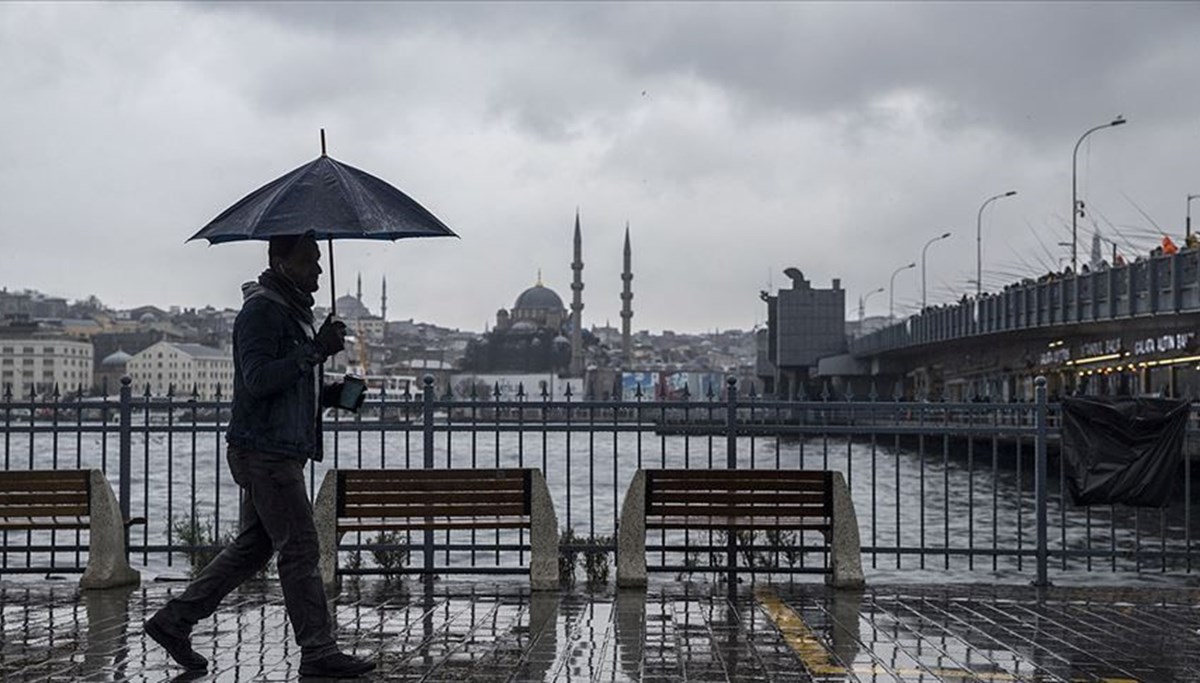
341	188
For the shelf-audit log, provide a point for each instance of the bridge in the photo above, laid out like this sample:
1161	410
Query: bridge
1131	326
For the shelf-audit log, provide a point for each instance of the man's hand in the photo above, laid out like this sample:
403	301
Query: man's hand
331	338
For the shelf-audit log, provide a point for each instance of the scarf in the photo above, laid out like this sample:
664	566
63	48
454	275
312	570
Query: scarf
298	302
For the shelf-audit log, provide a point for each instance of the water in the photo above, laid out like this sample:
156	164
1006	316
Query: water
904	501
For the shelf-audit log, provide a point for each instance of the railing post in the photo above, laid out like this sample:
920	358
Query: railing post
125	452
731	463
1039	481
427	398
731	424
427	430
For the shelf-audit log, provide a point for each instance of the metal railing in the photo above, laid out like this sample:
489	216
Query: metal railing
959	488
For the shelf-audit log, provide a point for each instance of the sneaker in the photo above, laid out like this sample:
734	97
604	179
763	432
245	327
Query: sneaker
337	665
179	648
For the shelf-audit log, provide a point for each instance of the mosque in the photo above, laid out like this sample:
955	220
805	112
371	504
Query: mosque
539	334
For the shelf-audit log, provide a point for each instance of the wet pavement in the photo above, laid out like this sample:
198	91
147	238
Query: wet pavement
498	631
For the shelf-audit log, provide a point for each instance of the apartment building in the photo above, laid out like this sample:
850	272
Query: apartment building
183	366
34	365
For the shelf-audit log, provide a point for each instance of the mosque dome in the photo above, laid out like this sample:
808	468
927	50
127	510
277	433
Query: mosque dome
117	358
538	297
350	308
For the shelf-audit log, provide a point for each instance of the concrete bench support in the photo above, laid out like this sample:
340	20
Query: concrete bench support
107	566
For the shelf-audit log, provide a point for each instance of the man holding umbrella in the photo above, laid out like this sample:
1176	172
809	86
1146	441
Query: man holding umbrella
274	430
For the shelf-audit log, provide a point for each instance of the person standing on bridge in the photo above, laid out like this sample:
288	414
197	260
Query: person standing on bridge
274	431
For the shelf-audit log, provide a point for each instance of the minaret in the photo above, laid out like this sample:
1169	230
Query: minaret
360	288
577	304
626	301
383	302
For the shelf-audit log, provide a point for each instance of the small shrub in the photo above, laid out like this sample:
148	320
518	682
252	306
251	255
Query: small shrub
390	560
690	559
595	560
202	532
568	557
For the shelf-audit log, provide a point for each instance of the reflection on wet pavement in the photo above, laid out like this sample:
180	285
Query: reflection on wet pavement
500	631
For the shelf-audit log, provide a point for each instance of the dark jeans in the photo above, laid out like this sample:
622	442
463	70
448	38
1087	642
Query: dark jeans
276	516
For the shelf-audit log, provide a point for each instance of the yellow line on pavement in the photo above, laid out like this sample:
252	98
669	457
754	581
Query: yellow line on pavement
798	636
818	660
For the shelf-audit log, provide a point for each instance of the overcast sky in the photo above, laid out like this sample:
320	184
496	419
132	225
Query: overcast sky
734	139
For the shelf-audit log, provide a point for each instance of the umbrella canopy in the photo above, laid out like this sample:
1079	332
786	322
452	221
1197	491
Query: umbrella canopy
329	200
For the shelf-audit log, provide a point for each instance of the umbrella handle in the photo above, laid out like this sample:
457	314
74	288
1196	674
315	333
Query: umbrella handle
332	287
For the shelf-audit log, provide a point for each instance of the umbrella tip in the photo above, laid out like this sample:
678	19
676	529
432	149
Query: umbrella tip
322	142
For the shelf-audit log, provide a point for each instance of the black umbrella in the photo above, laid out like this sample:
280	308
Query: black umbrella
329	200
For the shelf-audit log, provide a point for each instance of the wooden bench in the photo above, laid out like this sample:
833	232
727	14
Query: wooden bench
50	500
740	500
438	499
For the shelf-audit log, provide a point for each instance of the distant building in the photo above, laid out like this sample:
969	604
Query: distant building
30	305
804	324
38	365
165	364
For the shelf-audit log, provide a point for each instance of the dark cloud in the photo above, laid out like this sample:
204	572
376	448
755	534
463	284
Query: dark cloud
736	138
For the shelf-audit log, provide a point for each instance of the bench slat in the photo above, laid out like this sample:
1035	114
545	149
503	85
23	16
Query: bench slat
432	485
436	523
740	497
52	497
412	498
32	524
658	476
742	485
9	477
433	475
45	485
734	510
739	523
430	510
68	510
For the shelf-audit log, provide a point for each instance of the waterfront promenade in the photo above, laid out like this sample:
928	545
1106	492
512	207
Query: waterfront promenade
498	631
990	516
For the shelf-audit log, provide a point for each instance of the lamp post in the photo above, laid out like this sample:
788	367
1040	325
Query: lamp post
1188	229
923	250
1074	197
979	240
892	290
862	305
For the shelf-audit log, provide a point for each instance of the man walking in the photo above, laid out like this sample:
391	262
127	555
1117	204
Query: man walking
274	430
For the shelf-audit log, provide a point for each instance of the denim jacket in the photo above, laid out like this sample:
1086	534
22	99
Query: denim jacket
276	386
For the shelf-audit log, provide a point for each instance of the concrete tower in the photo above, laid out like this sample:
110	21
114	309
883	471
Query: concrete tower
577	304
627	302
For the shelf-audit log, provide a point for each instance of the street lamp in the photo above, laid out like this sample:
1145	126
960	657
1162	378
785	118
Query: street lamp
923	250
1189	213
1074	197
862	305
892	290
979	241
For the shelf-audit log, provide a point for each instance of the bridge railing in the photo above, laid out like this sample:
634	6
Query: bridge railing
1159	284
